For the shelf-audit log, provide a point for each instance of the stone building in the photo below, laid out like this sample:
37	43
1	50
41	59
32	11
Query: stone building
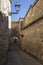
31	34
4	30
5	7
21	23
15	28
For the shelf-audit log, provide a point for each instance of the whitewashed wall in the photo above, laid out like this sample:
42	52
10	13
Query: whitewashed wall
5	7
0	4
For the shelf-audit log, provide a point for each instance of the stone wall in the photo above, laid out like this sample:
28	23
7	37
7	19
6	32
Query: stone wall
32	39
21	24
5	7
4	38
14	24
14	28
34	12
31	36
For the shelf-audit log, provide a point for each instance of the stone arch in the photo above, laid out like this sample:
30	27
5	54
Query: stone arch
15	40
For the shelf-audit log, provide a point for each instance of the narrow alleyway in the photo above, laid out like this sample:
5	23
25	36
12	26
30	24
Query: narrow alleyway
18	57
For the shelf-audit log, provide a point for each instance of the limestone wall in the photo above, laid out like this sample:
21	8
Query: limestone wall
4	38
32	39
14	24
31	36
34	12
14	28
21	23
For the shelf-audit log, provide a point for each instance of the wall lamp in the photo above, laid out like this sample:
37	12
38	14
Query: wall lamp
17	8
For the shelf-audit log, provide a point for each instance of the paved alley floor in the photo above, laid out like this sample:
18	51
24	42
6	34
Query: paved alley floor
18	57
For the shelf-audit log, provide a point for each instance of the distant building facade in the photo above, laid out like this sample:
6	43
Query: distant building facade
15	28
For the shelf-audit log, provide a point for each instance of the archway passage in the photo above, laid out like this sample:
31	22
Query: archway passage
15	41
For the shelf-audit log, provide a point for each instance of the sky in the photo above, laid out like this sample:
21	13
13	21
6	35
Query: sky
25	4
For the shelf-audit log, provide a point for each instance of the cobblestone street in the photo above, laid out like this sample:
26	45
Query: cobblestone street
18	57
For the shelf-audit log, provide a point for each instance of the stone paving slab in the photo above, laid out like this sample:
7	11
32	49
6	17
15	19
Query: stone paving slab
18	57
